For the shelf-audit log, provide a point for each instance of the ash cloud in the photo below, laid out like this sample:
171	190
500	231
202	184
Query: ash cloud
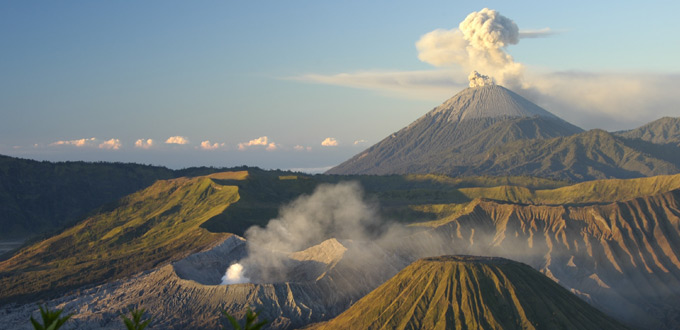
477	79
479	43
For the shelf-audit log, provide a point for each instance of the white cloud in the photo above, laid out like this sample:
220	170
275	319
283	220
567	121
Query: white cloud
144	144
539	33
206	145
357	142
177	140
329	142
77	143
589	99
112	144
422	85
261	141
302	148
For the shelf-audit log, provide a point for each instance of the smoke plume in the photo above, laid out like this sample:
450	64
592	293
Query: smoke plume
477	79
332	211
479	43
374	246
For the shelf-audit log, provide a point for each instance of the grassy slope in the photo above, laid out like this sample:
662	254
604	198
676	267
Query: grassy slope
470	293
40	196
155	225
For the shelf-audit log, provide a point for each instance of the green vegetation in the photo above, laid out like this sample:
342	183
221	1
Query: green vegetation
51	320
452	292
174	218
251	318
136	322
153	226
39	199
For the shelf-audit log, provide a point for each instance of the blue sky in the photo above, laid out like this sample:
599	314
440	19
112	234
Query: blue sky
298	73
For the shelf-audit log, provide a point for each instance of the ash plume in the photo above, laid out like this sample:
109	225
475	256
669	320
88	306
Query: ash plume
479	43
477	79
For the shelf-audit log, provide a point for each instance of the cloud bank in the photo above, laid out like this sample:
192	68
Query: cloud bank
77	143
144	144
206	145
329	142
605	100
261	141
177	140
112	144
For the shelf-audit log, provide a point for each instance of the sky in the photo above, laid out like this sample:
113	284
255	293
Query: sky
306	85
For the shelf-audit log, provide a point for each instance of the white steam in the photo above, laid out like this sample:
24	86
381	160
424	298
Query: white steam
479	43
234	275
477	79
332	211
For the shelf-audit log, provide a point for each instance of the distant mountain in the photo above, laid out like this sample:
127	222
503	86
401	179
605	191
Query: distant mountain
459	292
663	131
460	130
490	130
590	155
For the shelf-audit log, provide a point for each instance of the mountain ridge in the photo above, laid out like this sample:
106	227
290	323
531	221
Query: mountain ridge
458	292
475	134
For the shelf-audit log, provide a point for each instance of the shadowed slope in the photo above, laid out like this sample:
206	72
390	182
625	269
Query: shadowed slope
453	292
662	131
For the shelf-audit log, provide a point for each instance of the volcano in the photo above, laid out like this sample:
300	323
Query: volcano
458	133
462	292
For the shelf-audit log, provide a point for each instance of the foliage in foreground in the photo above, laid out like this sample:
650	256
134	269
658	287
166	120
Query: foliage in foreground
251	317
136	322
51	319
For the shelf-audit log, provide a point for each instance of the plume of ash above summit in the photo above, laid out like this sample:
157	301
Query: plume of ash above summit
477	79
479	43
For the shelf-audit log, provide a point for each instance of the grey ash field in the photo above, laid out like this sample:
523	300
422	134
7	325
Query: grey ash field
560	228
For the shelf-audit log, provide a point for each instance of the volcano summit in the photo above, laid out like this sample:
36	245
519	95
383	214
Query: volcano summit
490	130
459	131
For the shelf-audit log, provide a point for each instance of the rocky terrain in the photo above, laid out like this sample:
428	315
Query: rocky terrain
490	130
464	292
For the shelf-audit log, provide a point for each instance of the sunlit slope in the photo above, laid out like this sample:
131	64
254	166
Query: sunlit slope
624	256
155	225
598	191
38	197
452	292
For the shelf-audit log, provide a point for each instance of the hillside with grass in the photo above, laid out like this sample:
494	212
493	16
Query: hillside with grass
460	292
156	225
37	197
